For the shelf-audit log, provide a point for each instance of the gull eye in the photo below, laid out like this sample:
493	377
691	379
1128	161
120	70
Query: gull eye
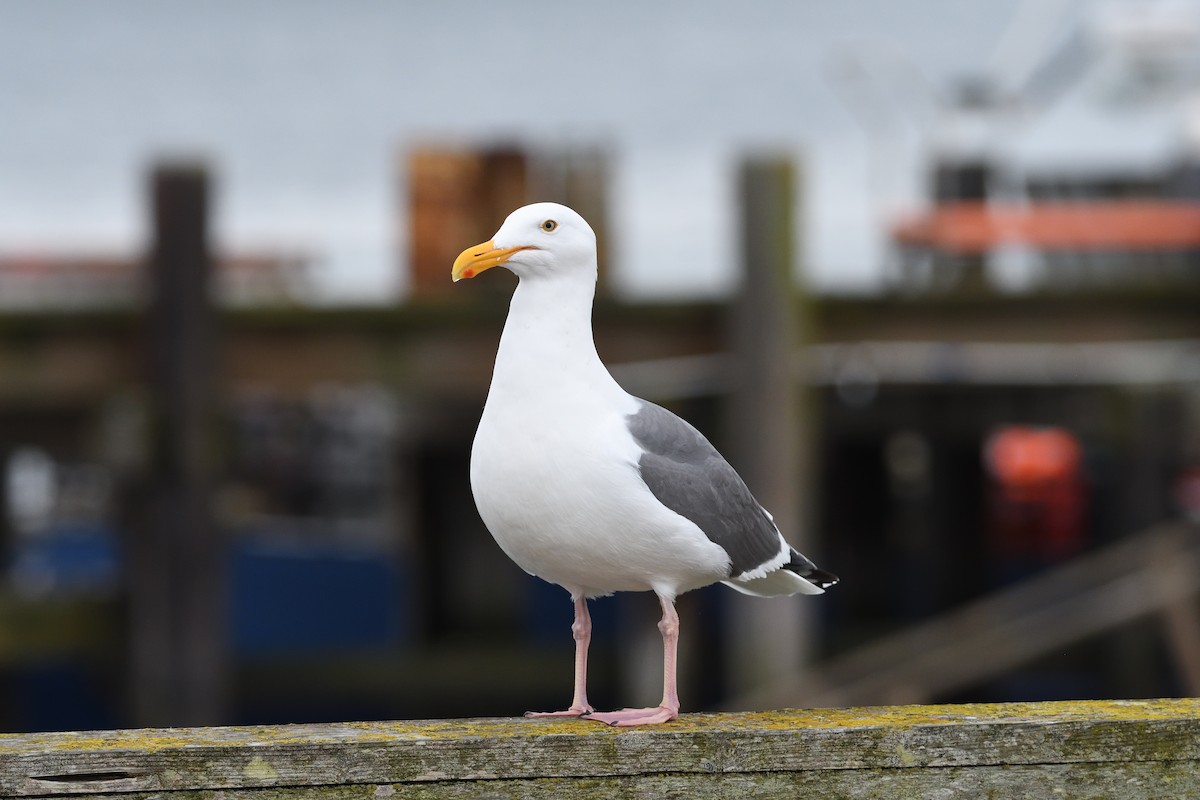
549	226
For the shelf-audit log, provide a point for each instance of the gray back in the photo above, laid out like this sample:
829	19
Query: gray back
690	477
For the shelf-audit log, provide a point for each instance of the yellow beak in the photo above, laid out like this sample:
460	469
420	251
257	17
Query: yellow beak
474	260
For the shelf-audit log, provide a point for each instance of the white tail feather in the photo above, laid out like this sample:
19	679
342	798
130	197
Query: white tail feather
774	584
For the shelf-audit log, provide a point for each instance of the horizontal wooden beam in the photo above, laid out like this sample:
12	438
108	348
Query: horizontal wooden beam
1143	748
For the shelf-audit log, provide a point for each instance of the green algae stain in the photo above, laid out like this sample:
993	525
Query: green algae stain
259	771
907	757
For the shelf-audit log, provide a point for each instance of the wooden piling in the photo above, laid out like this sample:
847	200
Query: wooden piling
766	412
176	576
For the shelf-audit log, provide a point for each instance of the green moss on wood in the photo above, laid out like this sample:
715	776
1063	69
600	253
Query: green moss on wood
891	718
437	758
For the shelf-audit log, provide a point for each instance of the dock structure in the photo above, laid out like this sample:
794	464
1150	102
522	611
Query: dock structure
895	397
1126	749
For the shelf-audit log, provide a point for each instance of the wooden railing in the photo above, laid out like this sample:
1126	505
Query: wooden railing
1099	749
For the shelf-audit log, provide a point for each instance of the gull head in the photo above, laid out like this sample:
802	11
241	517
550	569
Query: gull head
542	240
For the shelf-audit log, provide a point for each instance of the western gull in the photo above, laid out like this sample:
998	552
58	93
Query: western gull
588	487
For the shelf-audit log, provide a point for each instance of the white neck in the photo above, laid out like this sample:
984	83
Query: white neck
547	340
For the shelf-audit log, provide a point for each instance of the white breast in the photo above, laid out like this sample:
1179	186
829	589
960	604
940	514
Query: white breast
556	482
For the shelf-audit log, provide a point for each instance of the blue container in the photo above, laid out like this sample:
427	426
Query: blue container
296	595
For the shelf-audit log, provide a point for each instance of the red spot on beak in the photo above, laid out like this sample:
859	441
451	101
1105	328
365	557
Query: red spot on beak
468	273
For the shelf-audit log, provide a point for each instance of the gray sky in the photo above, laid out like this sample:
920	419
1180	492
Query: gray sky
306	108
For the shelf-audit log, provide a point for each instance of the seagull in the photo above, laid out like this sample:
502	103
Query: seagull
595	490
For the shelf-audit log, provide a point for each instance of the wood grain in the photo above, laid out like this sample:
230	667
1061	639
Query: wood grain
1097	748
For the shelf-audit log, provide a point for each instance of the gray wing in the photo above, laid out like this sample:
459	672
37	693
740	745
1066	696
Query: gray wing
690	477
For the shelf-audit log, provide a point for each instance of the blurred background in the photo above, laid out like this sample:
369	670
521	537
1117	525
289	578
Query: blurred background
928	273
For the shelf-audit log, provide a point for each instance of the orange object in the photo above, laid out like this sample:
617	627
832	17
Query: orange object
1037	507
973	228
1023	458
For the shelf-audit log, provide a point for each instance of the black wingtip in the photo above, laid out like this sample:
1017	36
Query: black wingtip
806	569
820	578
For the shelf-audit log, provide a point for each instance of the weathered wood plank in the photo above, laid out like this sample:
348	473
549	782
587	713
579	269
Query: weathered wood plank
1146	748
1170	781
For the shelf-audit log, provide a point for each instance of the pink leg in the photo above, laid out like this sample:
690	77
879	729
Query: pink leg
669	708
581	630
